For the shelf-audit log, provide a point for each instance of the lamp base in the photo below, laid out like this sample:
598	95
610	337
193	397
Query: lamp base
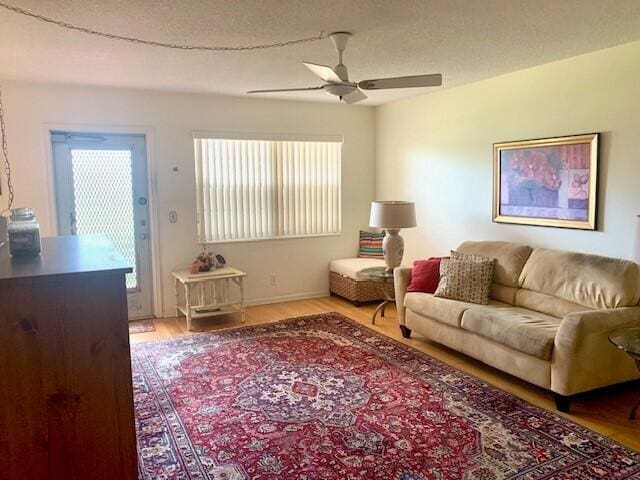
392	249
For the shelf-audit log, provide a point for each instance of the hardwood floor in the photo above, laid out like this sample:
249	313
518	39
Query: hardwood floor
604	411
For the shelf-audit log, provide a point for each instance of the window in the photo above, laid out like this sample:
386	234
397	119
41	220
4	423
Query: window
258	189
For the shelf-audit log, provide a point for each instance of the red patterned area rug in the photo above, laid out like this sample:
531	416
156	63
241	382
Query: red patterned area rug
322	397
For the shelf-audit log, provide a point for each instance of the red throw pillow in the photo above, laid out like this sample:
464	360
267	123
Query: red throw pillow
425	275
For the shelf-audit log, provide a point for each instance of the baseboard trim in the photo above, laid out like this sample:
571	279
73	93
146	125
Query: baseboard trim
270	300
287	298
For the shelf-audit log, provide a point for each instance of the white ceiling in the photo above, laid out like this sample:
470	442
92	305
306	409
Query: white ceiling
465	40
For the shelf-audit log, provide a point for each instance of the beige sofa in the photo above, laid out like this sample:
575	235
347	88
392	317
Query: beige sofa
548	319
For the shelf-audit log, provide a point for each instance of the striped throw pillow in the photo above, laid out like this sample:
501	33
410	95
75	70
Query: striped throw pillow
370	245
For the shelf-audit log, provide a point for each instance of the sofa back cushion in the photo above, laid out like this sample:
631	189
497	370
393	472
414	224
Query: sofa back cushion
589	280
510	258
548	304
504	294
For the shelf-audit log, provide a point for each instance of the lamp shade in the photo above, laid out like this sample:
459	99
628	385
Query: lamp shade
392	214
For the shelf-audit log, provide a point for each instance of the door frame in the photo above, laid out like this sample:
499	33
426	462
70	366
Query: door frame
154	230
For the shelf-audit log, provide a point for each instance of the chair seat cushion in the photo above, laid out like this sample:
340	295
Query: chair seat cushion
524	330
351	267
443	310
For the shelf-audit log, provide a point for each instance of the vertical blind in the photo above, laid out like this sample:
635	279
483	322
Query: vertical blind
259	189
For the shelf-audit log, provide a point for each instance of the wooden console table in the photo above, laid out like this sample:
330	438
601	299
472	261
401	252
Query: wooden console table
211	292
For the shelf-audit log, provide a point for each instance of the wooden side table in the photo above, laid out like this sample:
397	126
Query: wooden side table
206	294
384	280
628	340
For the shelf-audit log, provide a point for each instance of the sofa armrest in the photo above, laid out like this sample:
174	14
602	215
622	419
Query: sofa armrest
401	277
583	357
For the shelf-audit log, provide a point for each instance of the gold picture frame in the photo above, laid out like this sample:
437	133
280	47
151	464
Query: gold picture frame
551	182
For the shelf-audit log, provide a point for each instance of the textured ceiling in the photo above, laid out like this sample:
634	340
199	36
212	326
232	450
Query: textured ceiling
465	40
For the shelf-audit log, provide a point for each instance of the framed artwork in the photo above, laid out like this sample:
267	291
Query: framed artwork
550	182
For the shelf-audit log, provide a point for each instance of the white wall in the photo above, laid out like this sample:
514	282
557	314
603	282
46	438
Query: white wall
300	265
437	150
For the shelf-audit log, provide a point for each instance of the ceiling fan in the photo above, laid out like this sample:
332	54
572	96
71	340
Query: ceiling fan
337	79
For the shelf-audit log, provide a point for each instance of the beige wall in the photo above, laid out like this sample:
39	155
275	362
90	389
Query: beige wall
300	265
437	150
434	149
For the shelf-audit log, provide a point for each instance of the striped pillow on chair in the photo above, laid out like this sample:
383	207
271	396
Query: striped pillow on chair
370	245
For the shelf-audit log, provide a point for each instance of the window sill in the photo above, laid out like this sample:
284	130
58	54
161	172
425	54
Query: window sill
270	239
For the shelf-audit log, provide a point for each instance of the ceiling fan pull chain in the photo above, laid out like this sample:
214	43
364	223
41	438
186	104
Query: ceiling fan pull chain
5	154
155	43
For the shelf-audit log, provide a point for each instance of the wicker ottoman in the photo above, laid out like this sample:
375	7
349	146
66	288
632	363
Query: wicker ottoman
345	280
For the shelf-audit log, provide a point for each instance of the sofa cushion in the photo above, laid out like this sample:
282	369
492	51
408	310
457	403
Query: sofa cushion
510	258
541	302
589	280
443	310
524	330
351	267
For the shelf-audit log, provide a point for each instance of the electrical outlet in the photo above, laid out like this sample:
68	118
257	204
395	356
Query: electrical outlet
272	280
173	216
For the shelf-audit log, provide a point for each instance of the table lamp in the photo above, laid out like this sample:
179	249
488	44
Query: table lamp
392	216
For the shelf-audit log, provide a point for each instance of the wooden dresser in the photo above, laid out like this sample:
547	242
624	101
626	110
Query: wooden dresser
66	399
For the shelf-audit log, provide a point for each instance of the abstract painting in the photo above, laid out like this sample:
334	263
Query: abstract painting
549	182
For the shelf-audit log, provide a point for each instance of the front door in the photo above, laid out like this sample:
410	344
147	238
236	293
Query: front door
102	188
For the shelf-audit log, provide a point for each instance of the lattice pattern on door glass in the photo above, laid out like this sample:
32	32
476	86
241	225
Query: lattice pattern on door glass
103	190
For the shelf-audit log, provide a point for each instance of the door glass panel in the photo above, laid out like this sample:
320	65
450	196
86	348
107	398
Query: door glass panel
103	190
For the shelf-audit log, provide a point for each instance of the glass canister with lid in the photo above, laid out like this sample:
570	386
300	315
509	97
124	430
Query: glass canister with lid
24	233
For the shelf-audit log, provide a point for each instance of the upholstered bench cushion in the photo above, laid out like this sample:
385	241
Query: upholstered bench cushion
351	267
524	330
443	310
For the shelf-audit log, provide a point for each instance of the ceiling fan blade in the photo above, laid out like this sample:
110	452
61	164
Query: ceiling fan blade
286	90
327	74
434	80
354	97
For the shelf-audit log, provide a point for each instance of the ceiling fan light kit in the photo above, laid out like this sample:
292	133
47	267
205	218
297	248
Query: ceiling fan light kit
337	81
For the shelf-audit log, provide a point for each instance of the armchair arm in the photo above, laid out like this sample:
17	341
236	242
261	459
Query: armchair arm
583	357
401	277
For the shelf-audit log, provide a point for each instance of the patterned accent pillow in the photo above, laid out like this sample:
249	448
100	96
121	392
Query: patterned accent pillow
467	278
444	263
370	245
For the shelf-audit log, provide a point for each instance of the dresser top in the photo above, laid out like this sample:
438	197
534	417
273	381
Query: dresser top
64	256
